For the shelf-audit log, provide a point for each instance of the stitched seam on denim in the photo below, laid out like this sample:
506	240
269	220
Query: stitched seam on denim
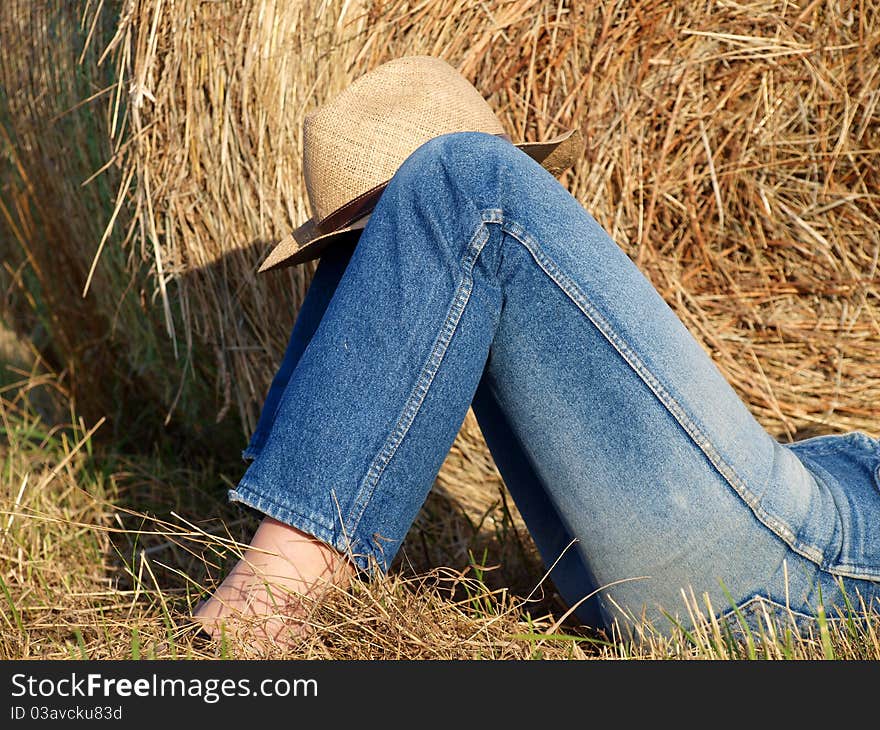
570	288
426	376
821	450
266	505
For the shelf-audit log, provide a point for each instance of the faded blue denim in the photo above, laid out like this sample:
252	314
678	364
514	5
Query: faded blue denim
480	280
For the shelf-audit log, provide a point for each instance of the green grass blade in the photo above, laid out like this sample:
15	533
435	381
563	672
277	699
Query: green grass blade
81	644
16	615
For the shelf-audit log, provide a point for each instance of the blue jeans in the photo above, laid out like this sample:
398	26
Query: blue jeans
480	280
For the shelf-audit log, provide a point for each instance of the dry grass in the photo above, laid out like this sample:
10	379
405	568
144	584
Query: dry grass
85	574
58	190
732	151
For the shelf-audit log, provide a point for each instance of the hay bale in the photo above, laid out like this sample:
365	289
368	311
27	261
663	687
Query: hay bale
60	188
49	223
732	151
216	96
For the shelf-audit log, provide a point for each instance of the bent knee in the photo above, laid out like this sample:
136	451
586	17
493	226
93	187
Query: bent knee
464	163
463	147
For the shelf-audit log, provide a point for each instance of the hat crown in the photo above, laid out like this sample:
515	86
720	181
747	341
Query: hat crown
359	140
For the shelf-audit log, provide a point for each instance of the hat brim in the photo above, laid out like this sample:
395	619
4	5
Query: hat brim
305	243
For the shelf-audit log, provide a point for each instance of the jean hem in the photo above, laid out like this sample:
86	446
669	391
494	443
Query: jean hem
352	549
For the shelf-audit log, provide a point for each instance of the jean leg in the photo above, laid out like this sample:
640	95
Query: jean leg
383	386
477	264
569	573
321	288
649	456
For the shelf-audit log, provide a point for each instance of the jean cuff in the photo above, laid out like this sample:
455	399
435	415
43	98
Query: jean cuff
353	548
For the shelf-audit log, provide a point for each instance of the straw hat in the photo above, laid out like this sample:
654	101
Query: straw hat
354	145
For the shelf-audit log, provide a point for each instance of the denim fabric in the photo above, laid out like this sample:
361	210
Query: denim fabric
480	280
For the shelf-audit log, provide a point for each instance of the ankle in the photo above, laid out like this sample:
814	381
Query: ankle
307	559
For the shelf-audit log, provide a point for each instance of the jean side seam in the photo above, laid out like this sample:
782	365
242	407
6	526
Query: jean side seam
420	390
573	292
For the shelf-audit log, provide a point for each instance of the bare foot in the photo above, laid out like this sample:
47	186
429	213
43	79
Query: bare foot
267	596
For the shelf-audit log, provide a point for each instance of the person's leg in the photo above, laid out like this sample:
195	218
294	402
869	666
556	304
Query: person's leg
282	565
477	263
649	456
324	282
569	574
555	543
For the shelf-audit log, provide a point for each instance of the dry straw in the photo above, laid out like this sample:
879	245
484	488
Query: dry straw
732	151
60	186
